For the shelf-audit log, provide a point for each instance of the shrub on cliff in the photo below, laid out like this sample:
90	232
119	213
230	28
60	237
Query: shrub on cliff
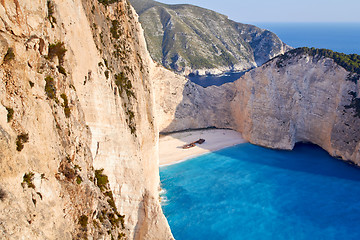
57	49
101	179
27	180
66	107
50	88
20	140
350	62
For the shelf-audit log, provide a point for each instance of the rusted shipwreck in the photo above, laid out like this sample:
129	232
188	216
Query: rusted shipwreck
193	144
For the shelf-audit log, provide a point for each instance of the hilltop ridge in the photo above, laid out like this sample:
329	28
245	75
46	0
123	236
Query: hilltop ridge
191	39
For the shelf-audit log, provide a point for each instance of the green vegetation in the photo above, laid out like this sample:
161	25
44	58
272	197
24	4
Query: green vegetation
65	105
101	179
83	221
115	29
199	62
124	85
10	114
57	49
27	180
50	88
61	70
31	84
121	235
130	121
10	55
114	217
78	179
20	140
77	167
349	62
111	200
191	41
51	11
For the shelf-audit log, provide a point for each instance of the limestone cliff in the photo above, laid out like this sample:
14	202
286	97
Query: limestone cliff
76	97
300	98
293	98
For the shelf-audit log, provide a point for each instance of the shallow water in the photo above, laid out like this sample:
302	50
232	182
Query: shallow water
249	192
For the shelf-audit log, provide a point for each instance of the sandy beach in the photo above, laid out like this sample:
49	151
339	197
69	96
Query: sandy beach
170	146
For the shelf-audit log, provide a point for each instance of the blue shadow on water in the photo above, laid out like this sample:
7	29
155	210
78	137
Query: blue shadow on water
307	158
217	80
250	192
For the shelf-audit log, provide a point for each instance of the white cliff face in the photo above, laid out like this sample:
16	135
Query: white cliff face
301	99
125	139
107	122
182	104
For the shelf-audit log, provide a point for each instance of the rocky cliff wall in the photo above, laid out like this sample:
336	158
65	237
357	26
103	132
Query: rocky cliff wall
76	97
297	98
185	105
300	99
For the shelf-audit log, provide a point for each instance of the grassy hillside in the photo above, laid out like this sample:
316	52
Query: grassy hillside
188	37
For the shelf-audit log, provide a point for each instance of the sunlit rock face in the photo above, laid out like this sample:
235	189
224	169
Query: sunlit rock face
76	97
300	99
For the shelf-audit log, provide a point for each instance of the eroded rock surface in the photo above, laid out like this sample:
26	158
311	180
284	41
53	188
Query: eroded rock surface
76	98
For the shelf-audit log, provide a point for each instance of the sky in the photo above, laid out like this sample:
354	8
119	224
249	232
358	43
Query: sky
256	11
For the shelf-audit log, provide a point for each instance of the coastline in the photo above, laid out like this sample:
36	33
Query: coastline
170	146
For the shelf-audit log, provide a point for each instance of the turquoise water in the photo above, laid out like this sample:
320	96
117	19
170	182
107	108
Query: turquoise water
249	192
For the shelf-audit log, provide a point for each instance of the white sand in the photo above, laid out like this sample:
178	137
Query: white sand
170	150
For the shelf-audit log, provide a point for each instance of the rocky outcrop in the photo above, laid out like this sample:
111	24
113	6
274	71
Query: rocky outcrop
184	105
190	39
300	99
76	97
292	98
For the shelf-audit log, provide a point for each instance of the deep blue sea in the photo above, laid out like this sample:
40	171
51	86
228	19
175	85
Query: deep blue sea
249	192
339	37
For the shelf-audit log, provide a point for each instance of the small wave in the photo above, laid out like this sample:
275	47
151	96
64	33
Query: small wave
162	191
164	200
